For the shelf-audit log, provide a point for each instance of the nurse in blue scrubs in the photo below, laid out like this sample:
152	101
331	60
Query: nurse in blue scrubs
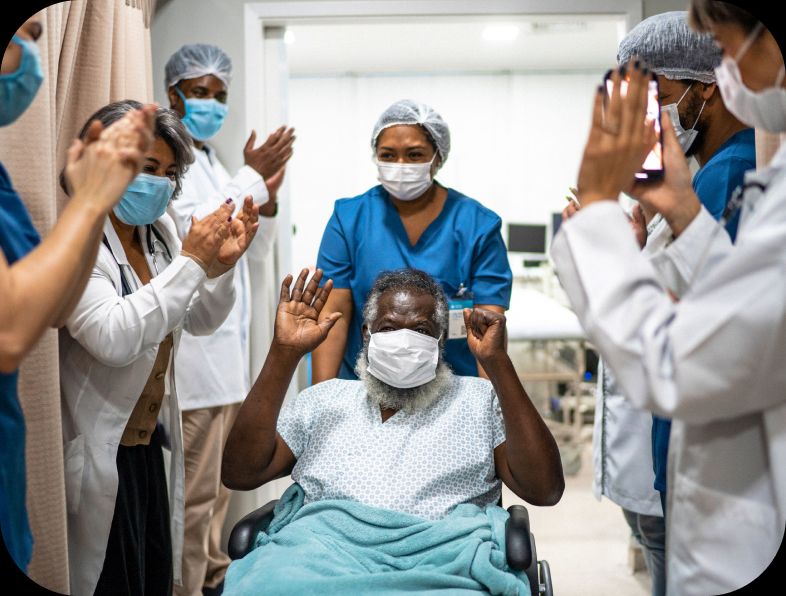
409	220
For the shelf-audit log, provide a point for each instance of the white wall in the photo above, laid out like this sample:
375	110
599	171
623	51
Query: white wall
516	141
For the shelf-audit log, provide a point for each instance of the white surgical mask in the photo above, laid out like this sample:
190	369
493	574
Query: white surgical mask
764	109
685	137
405	181
403	358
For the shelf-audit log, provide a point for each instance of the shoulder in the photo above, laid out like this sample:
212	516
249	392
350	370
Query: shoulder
473	210
475	389
331	390
361	203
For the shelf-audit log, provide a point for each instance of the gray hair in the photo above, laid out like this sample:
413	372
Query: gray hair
168	127
412	280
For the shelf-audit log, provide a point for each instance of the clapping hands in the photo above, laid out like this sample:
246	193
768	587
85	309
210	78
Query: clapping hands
218	241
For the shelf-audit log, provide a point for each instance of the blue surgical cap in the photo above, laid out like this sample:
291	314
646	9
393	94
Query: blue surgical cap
198	60
409	112
671	48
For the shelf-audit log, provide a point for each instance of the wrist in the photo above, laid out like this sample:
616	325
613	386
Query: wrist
217	269
269	209
89	206
196	259
589	197
683	214
496	362
285	353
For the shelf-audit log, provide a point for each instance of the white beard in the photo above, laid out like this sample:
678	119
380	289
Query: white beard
393	398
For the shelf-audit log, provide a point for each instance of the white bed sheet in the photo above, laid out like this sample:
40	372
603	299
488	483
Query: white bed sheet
535	316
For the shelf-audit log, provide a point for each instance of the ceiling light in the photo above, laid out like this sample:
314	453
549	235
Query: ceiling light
289	37
500	32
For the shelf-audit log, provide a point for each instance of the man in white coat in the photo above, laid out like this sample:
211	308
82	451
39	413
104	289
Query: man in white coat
710	361
212	373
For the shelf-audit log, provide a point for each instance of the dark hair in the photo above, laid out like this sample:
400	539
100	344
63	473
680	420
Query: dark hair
168	127
703	13
412	280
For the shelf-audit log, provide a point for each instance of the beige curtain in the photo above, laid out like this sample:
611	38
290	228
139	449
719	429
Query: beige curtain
93	52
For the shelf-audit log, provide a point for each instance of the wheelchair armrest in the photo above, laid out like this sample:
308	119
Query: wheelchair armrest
517	538
241	539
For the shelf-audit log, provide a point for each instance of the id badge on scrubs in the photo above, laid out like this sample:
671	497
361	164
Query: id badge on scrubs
456	304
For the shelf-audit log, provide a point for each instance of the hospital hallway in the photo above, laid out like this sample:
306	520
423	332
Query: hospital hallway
584	541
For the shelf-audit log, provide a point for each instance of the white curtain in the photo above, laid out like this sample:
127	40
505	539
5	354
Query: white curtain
517	141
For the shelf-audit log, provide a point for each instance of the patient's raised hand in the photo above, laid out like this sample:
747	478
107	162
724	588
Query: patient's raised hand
485	334
298	328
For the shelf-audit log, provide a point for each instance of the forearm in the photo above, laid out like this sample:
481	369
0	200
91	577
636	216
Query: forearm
326	359
36	288
77	287
531	452
251	445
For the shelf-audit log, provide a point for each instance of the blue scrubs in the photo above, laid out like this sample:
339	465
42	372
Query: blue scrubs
17	238
714	184
463	245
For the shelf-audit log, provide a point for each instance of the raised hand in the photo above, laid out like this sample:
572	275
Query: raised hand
242	230
673	196
100	168
485	334
272	155
619	138
298	328
207	235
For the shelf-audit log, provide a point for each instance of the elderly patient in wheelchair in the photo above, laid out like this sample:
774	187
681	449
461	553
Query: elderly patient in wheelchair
398	475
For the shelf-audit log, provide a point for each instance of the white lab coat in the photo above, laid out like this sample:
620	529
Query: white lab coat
622	450
107	351
713	362
214	370
622	436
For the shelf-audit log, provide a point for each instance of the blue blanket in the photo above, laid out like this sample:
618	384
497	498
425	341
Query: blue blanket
345	547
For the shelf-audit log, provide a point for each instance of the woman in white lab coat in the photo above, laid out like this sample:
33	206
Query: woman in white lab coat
712	358
116	354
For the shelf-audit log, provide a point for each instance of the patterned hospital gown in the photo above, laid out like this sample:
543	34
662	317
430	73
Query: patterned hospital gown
423	463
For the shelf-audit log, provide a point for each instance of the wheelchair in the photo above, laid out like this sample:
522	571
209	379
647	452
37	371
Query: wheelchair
519	544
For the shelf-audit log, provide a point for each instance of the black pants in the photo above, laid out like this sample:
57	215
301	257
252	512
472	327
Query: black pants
139	552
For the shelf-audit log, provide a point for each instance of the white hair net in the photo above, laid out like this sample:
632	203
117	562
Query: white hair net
408	111
198	60
671	48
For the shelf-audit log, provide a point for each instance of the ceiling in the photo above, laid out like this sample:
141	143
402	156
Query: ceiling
470	44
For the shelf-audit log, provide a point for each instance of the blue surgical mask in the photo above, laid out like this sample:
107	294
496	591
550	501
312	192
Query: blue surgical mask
203	117
18	89
145	200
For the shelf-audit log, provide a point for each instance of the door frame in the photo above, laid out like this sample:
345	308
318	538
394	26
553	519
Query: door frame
267	85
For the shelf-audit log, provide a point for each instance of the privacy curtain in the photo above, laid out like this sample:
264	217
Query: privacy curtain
93	52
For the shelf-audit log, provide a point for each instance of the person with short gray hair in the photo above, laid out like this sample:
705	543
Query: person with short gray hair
409	437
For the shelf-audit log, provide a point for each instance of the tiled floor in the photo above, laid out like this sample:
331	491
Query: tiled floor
584	541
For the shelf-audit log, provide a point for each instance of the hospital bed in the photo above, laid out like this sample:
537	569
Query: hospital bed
519	544
547	330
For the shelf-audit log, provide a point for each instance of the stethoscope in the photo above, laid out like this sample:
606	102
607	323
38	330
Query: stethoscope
154	244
